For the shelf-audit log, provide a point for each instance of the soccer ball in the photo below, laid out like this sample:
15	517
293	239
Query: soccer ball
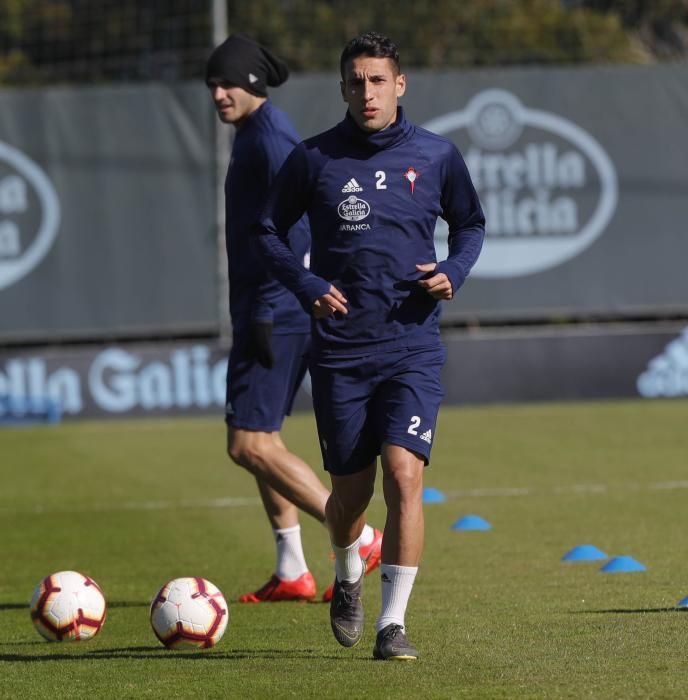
68	606
189	612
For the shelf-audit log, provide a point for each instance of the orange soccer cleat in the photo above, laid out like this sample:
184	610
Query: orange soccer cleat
371	555
277	589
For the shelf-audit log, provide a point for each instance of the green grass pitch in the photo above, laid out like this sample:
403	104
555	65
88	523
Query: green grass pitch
494	614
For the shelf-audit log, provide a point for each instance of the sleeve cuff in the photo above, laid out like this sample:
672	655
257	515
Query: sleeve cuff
312	288
454	273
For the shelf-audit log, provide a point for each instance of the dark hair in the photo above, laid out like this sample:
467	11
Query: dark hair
370	44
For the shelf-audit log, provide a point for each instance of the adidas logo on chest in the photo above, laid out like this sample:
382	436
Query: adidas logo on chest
352	186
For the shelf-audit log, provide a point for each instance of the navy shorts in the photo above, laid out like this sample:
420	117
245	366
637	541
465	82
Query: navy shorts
361	403
259	398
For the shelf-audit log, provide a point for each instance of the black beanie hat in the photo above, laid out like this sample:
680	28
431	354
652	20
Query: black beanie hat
241	61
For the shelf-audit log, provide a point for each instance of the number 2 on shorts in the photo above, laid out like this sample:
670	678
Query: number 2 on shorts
415	422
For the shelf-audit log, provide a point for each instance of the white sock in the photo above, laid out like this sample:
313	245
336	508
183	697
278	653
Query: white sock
290	560
367	536
348	565
396	583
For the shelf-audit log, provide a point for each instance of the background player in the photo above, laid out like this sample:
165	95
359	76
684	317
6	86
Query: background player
270	331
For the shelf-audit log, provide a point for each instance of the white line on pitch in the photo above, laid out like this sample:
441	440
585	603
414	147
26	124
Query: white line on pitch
249	501
149	505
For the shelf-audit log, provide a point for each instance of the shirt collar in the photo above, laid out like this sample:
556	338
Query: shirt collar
378	140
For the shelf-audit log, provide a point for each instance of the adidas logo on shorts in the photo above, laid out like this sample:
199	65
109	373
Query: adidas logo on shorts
427	436
352	186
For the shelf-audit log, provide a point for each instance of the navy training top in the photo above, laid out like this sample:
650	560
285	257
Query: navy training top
373	200
261	145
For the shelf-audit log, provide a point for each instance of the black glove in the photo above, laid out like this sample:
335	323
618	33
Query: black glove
261	339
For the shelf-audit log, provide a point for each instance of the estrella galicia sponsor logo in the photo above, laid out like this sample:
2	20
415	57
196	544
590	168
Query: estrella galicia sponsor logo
353	208
547	186
666	375
118	381
174	378
29	215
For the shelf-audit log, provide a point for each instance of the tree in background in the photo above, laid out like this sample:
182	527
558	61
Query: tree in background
444	34
48	41
661	26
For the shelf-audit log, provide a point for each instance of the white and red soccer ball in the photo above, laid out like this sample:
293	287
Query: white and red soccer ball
189	612
68	606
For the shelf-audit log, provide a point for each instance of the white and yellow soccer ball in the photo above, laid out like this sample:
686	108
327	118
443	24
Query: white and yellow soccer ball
189	612
68	606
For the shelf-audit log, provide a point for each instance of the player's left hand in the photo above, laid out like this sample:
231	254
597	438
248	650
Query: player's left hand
437	286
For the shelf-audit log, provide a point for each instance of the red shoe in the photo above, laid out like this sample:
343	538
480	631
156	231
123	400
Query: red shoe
276	589
371	555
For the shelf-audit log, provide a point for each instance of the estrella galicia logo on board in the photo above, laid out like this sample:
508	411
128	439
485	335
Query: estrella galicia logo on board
666	375
29	215
353	208
546	185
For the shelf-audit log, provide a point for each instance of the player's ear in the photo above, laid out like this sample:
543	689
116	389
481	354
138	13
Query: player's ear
400	81
342	87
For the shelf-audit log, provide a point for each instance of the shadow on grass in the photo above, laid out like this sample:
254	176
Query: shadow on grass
113	604
159	653
633	611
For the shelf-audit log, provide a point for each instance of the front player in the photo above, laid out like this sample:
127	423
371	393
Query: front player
373	187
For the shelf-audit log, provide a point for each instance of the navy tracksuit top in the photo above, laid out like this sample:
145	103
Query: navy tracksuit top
373	200
260	148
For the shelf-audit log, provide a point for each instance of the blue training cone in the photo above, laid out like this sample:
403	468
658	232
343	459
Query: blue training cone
622	565
584	552
471	522
682	603
431	495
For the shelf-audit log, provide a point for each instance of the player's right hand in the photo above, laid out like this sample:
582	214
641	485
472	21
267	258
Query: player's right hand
328	304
